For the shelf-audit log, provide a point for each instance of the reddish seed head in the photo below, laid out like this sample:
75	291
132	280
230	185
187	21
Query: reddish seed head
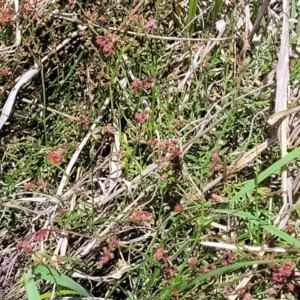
24	245
178	208
225	262
290	287
284	272
170	270
247	296
142	216
107	43
29	186
215	157
146	83
141	117
136	85
56	156
192	261
6	72
106	256
5	16
159	254
41	235
42	184
175	293
289	229
115	242
206	64
150	23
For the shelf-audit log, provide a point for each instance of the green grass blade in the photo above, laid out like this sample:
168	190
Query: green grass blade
272	229
52	275
30	287
189	284
57	293
293	13
217	9
191	15
283	235
272	169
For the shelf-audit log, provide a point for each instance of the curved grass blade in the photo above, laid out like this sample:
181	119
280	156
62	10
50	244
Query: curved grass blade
57	293
30	287
263	175
196	281
255	220
52	275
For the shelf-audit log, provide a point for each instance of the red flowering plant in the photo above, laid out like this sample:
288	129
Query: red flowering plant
144	217
106	256
29	186
55	156
141	117
25	244
143	24
5	16
41	235
169	270
284	275
178	208
141	84
6	71
169	152
108	43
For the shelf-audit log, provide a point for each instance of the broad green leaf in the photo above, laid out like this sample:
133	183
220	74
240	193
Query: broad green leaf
189	284
52	275
263	175
30	287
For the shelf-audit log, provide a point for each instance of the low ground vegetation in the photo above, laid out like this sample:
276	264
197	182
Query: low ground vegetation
138	163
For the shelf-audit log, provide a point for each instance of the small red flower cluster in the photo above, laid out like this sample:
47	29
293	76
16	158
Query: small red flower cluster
228	257
6	72
107	255
215	157
144	217
169	270
56	156
289	229
207	269
169	150
144	24
32	186
138	84
27	242
219	198
192	261
149	23
284	273
141	117
5	16
107	43
25	245
29	186
107	252
41	235
178	208
206	64
159	254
